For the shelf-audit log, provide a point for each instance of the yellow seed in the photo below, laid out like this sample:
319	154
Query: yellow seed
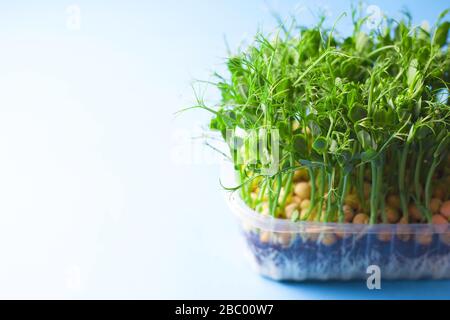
312	236
384	236
342	234
414	213
302	190
304	214
424	238
264	236
281	197
305	204
435	205
265	209
306	130
301	175
328	239
361	218
284	239
439	219
403	231
393	201
296	199
290	208
392	215
352	200
445	209
348	213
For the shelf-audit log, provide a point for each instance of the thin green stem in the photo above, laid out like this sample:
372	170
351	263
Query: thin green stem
373	193
322	192
429	178
343	191
380	199
360	186
401	180
331	177
287	189
273	208
417	172
312	178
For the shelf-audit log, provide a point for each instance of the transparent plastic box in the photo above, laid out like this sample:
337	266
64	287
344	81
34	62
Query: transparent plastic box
284	250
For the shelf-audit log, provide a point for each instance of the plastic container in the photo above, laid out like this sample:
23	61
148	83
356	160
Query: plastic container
284	250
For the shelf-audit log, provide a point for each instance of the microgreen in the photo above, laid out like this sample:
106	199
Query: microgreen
342	105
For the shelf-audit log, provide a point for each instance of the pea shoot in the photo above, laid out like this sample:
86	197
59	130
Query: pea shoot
362	123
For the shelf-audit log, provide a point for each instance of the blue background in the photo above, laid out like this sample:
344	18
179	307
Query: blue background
102	192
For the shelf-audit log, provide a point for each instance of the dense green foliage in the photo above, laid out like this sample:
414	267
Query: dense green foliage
372	106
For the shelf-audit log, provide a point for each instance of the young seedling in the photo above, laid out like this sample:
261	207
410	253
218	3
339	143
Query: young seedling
366	115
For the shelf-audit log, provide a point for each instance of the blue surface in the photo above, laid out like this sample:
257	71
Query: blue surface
99	195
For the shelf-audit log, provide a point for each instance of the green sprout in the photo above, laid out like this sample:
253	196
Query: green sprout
370	110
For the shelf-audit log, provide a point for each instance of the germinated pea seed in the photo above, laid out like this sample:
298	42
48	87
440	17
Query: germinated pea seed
264	236
439	192
392	215
384	236
424	238
348	213
352	200
302	190
305	204
361	218
445	209
328	239
414	213
435	205
438	219
290	208
393	201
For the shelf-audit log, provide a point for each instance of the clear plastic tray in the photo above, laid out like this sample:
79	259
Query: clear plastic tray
284	250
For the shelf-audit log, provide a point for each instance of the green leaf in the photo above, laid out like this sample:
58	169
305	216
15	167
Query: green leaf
215	124
441	35
361	41
357	113
315	128
283	128
324	122
348	168
365	139
333	146
235	65
344	157
320	145
423	131
300	145
368	155
412	73
311	164
380	116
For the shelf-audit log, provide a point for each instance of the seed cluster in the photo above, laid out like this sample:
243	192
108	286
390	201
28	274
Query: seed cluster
363	121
